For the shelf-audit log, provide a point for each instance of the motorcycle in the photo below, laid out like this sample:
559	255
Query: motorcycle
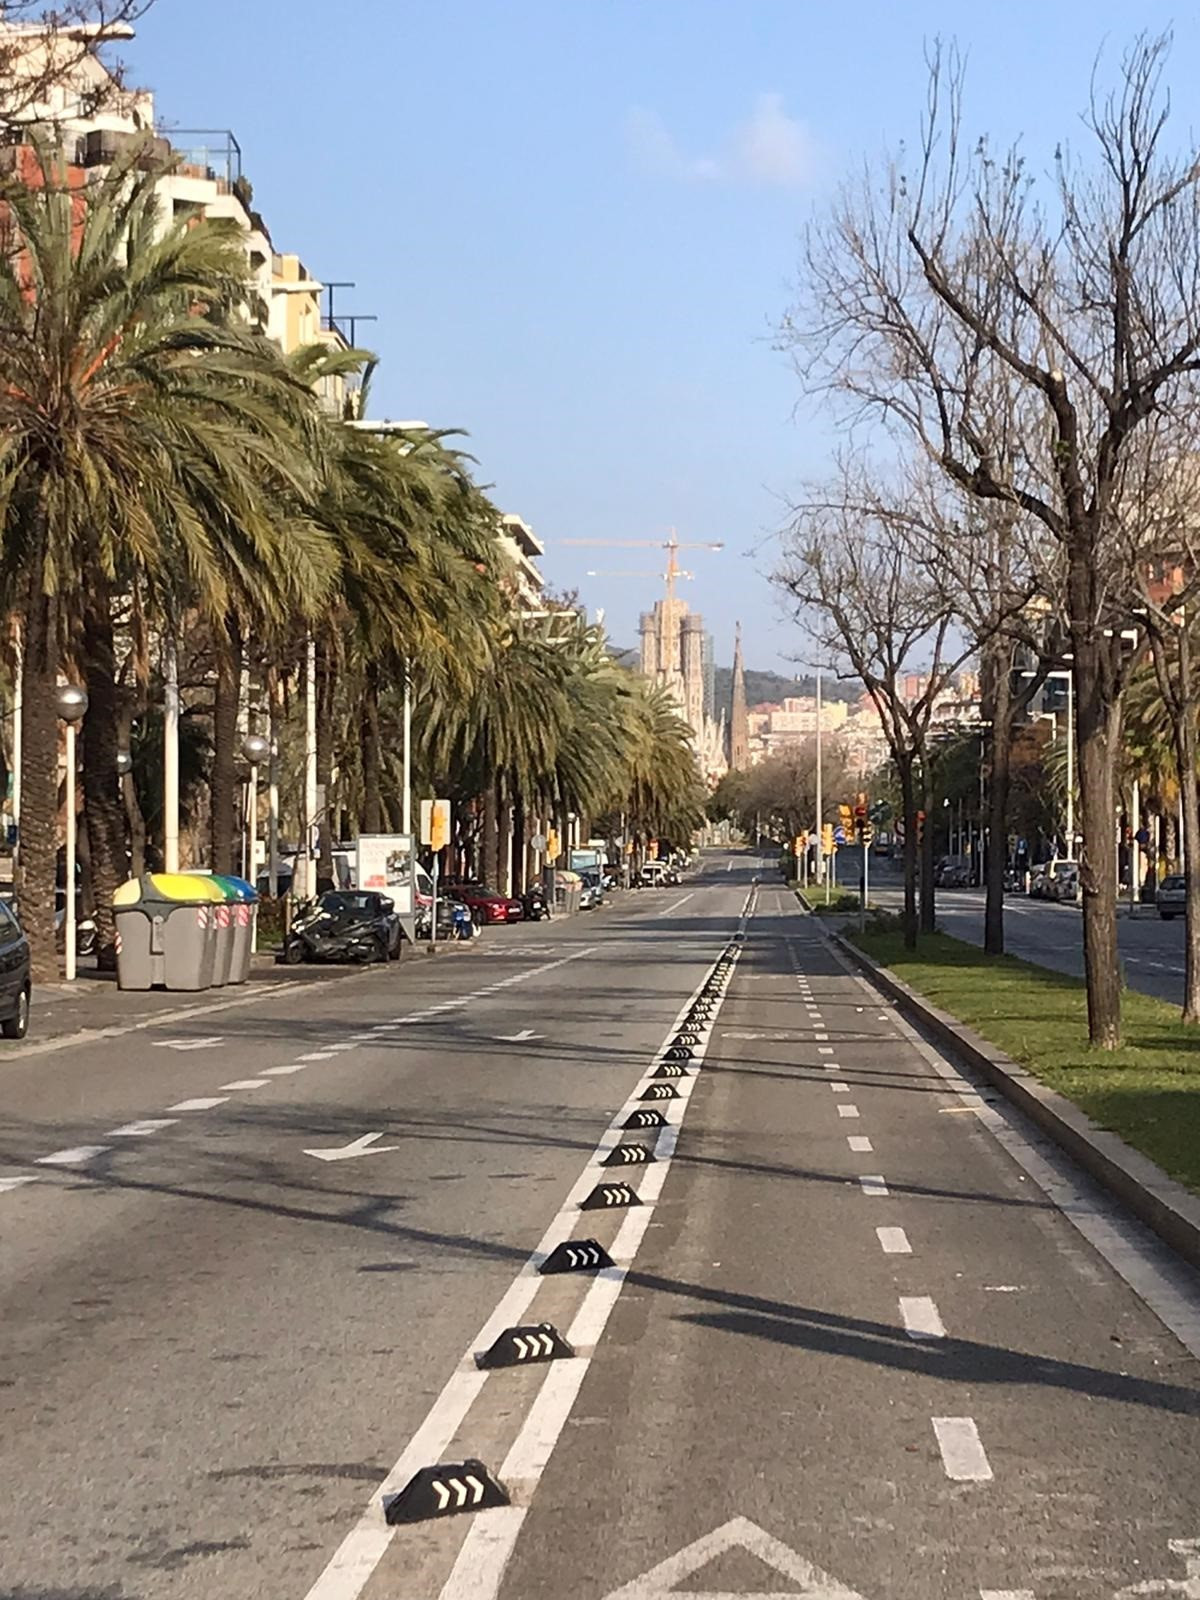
319	934
535	904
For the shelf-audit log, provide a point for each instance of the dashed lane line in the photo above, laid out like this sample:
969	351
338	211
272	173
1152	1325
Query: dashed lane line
141	1130
859	1143
963	1455
893	1241
873	1184
245	1083
921	1317
77	1156
847	1111
205	1102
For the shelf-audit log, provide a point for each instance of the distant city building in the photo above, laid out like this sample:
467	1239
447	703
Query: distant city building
739	726
672	653
522	547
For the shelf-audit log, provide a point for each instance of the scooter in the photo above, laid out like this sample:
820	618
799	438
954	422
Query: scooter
535	904
318	935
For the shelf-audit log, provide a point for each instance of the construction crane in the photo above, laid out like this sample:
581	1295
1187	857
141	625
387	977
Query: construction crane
672	546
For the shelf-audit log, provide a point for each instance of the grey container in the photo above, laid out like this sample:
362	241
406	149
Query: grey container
167	944
223	922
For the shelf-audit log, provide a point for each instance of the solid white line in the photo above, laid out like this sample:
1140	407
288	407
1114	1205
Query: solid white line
206	1103
1006	1594
920	1317
480	1574
8	1184
962	1450
72	1158
141	1130
285	1072
859	1142
873	1185
847	1111
681	902
893	1241
245	1083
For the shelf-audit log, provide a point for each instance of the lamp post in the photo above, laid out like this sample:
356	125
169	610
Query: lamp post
72	703
255	749
1069	675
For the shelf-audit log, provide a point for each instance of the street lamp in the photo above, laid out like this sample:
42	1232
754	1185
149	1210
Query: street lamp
124	763
255	749
1069	675
71	702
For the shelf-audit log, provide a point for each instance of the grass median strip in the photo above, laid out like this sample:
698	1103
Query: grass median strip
1148	1092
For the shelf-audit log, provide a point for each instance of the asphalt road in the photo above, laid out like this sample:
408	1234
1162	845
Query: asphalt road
861	1337
1052	934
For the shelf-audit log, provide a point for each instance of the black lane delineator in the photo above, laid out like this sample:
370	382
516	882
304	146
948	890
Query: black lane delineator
629	1155
606	1196
645	1119
679	1052
687	1038
660	1091
670	1069
444	1490
576	1255
522	1346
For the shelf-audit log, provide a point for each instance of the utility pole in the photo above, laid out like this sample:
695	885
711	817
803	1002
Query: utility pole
819	847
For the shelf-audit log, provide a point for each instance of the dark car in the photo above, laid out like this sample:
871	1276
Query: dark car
14	975
485	904
345	925
1171	898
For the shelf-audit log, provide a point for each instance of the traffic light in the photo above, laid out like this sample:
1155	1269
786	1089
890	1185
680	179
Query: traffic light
846	820
861	826
920	826
827	838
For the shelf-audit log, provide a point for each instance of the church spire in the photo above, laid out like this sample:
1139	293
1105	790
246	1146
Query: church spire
739	728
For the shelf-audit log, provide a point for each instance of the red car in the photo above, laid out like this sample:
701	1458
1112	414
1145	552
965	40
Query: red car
484	904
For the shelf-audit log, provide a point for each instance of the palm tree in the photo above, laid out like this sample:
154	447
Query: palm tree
147	435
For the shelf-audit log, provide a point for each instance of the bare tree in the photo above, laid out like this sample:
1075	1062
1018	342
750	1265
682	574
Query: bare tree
924	293
55	62
867	604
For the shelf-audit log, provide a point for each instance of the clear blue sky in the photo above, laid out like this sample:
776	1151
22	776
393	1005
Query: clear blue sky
577	221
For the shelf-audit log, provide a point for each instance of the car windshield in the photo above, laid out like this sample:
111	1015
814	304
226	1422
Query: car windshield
1173	882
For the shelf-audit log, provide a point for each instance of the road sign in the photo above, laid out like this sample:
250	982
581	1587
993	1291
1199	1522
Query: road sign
807	1581
538	842
839	834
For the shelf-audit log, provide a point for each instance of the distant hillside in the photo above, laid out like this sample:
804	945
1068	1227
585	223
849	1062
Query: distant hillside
762	688
770	688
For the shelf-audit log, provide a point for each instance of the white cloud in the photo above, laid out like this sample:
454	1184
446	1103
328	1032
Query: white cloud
769	149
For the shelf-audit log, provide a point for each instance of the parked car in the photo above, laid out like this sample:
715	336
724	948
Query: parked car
1171	899
344	925
652	875
484	904
14	975
1041	883
1065	883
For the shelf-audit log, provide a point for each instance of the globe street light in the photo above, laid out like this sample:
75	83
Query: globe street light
71	702
254	750
124	763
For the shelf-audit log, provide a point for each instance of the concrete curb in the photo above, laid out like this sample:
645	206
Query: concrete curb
1165	1206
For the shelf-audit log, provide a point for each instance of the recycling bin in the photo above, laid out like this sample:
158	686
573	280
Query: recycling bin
223	925
166	931
243	905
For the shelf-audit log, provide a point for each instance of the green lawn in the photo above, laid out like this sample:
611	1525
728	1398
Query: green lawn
1148	1092
841	901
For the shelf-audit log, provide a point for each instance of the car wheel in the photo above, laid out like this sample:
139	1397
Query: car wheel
17	1026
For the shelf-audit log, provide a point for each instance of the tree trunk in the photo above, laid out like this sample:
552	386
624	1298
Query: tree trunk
519	846
104	814
325	700
490	843
999	777
928	840
224	787
38	845
372	821
1097	730
908	801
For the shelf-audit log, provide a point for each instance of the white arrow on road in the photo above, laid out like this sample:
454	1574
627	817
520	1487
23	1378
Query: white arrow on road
364	1145
210	1043
661	1582
519	1038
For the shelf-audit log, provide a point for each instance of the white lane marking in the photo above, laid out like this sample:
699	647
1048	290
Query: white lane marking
491	1538
840	1088
962	1449
825	1050
859	1142
893	1241
244	1083
920	1317
210	1043
76	1157
819	1036
805	1581
680	902
1007	1594
832	1066
318	1055
141	1130
205	1103
518	1038
873	1184
364	1145
285	1072
8	1184
334	1049
847	1111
